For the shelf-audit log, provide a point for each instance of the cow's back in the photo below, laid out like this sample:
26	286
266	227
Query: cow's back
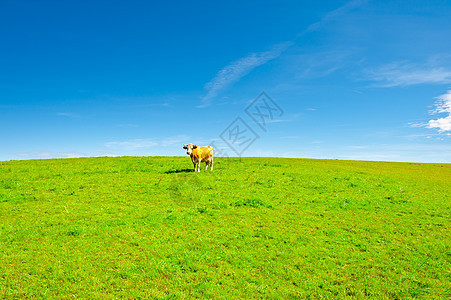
207	152
203	153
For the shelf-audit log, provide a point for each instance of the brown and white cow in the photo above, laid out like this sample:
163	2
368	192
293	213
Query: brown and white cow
200	154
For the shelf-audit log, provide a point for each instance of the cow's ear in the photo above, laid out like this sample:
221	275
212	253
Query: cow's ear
194	147
184	146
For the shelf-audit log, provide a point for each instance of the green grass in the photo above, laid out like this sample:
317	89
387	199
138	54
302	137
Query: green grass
148	227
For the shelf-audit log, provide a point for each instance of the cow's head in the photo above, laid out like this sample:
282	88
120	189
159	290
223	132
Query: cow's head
189	148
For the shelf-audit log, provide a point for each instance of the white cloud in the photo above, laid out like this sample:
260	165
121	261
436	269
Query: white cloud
415	124
320	64
237	69
137	144
62	154
443	124
370	156
443	105
240	68
410	152
69	115
22	154
48	154
109	155
334	14
405	74
70	154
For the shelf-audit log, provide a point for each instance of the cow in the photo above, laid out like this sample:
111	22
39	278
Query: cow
200	154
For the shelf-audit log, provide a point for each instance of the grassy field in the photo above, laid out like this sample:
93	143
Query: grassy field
149	227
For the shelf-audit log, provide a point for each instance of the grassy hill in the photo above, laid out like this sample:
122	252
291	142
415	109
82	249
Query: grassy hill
149	227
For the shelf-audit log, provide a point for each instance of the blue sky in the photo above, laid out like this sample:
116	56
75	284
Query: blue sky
352	79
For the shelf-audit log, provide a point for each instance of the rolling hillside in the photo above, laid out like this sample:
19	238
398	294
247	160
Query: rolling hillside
149	227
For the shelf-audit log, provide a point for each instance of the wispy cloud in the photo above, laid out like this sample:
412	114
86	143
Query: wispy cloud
333	15
321	63
241	67
237	69
61	155
48	154
409	152
139	144
69	115
107	154
406	73
442	105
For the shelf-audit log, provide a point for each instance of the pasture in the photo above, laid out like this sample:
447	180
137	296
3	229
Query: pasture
149	227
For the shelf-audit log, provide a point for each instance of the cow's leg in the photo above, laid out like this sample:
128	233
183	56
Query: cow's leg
194	164
211	164
206	165
198	166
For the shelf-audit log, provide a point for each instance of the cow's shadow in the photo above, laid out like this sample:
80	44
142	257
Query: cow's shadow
179	171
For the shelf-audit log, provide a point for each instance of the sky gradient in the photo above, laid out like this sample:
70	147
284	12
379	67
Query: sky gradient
341	79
